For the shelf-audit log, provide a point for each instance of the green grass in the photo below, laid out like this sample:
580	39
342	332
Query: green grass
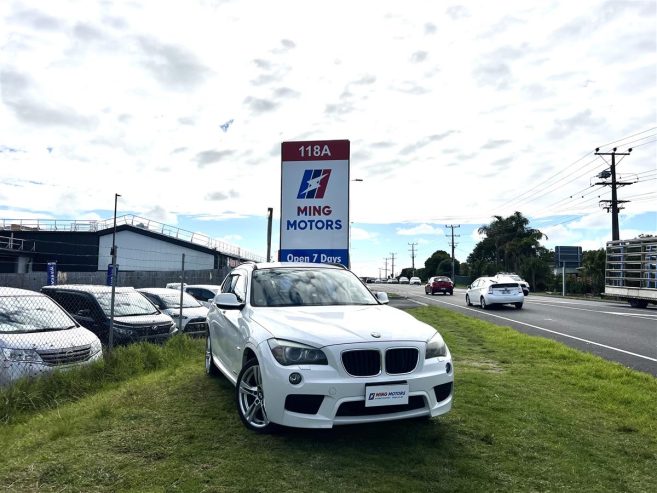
529	415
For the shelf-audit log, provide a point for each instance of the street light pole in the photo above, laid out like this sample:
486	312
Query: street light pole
113	252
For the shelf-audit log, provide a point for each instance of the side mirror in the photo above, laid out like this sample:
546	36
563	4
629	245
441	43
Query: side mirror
382	297
227	301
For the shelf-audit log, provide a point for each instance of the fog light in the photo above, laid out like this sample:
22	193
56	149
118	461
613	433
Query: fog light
448	367
295	378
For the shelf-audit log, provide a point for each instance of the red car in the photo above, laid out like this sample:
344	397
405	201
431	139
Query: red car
439	284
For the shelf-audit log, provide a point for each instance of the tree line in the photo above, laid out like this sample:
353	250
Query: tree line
510	245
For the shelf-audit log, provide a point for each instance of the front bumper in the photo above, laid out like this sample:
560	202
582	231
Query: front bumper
336	398
10	371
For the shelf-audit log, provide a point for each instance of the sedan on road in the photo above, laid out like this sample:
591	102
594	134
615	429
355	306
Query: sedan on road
309	346
439	284
489	291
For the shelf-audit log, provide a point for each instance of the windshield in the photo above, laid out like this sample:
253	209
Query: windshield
31	314
173	301
308	287
125	304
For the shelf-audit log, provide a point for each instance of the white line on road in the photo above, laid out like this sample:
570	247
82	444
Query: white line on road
548	330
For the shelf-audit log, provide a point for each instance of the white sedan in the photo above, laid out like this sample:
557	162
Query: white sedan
489	291
308	345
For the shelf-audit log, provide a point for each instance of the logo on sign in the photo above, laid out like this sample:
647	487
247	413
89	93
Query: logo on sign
314	183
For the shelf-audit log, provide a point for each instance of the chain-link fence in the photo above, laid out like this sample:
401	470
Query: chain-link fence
37	337
65	326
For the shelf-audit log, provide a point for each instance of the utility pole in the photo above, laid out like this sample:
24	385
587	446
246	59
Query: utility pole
453	245
386	269
613	203
413	256
393	264
270	212
114	274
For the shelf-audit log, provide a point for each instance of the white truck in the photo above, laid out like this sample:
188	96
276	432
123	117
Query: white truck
631	270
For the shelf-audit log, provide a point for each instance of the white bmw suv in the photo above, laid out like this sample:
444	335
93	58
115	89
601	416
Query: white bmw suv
309	346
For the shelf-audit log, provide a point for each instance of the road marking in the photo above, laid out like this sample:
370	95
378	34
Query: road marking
417	302
552	331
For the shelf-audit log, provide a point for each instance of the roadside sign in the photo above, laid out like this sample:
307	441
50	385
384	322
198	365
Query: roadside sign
51	273
111	273
315	202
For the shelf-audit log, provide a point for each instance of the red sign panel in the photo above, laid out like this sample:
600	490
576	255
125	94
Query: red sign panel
319	150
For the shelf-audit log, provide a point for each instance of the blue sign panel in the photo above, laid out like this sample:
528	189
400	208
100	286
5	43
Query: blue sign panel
315	255
51	273
110	273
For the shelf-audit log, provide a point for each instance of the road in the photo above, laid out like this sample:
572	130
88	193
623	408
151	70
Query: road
612	330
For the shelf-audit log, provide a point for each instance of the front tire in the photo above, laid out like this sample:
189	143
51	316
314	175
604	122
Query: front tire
467	300
210	368
250	398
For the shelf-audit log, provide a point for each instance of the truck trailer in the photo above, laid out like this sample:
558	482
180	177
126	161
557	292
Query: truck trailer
631	270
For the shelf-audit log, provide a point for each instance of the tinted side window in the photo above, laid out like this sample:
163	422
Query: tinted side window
195	293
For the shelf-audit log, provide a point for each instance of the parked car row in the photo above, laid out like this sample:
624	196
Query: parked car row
66	325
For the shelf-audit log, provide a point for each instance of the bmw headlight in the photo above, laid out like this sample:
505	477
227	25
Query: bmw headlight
435	347
293	353
26	355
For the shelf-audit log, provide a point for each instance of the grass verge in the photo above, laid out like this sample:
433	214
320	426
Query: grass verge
529	415
124	363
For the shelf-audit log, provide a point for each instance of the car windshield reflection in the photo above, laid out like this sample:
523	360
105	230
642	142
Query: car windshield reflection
308	287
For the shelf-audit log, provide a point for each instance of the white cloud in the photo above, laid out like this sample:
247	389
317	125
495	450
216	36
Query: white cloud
455	114
360	234
421	230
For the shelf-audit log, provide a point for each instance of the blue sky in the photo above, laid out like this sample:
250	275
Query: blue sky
456	111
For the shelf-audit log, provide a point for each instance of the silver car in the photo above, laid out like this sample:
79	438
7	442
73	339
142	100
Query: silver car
194	314
37	336
489	291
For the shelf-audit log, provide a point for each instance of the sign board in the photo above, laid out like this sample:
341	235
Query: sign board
315	202
51	273
111	273
569	257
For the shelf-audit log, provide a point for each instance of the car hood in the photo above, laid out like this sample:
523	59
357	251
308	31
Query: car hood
330	325
160	318
195	312
52	339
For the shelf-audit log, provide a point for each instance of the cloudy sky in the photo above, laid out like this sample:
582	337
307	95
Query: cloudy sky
456	111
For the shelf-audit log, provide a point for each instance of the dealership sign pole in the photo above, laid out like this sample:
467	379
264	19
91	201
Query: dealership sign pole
315	202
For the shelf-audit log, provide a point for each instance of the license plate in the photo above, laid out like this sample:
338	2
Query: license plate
386	395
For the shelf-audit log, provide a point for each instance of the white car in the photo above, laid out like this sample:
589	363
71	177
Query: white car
194	314
37	336
403	280
174	285
415	280
489	291
309	346
514	278
204	293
